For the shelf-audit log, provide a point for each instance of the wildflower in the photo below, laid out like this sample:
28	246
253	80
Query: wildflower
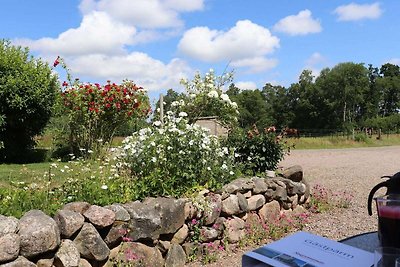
104	187
157	123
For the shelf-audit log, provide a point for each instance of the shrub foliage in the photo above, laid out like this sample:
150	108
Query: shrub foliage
173	158
27	94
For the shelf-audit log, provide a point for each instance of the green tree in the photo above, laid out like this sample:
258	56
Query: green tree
344	88
278	105
27	94
389	85
252	107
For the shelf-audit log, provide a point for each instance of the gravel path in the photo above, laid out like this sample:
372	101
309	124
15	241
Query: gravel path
354	170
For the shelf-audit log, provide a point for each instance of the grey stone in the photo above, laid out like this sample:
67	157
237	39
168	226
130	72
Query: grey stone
100	217
39	234
294	200
9	247
269	194
270	212
45	262
259	185
69	222
67	255
213	208
281	194
190	210
79	207
140	254
270	174
256	202
120	212
181	235
230	205
90	244
163	246
243	204
8	225
208	234
238	185
154	217
84	263
234	230
294	173
248	194
176	256
21	261
116	233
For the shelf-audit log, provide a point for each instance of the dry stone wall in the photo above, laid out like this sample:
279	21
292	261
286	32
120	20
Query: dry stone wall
154	232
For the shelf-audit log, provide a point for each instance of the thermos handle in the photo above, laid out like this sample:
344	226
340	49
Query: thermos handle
372	193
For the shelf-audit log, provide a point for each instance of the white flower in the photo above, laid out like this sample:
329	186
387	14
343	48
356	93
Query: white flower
153	159
153	143
128	97
225	98
53	165
233	104
191	142
224	167
231	173
104	187
208	168
213	94
192	96
183	114
90	151
157	123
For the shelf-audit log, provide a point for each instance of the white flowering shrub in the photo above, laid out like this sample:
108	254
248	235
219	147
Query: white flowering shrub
205	97
175	158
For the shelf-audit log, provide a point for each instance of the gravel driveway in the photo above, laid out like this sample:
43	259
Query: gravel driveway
355	170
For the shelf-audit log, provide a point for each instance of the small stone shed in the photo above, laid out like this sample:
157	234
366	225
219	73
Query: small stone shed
213	124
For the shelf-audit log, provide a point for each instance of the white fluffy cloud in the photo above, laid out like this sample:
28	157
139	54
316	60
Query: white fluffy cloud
316	62
353	12
98	33
144	13
245	45
245	40
246	85
256	64
148	72
300	24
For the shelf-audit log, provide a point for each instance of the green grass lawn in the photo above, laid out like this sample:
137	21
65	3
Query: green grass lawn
343	142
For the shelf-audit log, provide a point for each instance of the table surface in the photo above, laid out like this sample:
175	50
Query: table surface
367	241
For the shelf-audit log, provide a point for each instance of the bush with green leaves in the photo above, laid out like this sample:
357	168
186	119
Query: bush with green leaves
175	158
28	91
255	151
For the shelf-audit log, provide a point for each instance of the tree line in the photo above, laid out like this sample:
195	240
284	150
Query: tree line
349	95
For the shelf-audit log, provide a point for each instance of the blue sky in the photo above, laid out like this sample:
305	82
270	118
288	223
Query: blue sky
157	42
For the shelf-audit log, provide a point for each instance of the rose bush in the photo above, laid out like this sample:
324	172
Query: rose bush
95	112
176	157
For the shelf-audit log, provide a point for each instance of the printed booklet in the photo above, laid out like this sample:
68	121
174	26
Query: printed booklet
307	250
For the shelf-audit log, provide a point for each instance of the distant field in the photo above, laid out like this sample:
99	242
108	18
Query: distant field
343	142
